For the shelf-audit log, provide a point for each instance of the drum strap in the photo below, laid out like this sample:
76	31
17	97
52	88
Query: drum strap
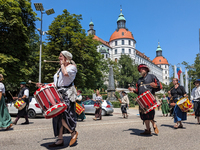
58	77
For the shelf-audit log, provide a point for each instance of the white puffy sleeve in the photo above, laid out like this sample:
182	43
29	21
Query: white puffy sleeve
2	88
71	70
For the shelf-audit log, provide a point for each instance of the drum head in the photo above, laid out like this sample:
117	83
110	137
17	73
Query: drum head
55	110
182	100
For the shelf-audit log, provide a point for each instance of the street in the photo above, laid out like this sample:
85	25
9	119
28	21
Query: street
112	132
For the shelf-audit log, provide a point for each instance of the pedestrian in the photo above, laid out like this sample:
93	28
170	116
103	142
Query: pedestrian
195	96
5	119
177	92
164	105
24	96
98	100
124	104
64	81
151	83
80	102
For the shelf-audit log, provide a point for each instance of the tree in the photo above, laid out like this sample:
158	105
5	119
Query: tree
17	26
128	72
66	33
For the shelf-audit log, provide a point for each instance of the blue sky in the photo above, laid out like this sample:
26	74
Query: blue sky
174	23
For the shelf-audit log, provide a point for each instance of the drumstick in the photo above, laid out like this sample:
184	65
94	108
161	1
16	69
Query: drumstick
51	61
10	94
32	82
118	98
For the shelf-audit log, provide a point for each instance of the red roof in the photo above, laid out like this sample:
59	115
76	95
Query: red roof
160	60
121	34
102	41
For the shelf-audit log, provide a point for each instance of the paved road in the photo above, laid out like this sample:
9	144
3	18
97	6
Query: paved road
112	132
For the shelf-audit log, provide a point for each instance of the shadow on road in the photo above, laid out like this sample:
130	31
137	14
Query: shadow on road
171	126
137	132
189	122
66	143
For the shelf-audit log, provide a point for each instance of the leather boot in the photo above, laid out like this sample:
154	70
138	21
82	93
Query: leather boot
146	132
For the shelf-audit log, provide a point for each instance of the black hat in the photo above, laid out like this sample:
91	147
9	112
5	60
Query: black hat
197	80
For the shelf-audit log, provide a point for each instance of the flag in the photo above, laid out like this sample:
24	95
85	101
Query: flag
175	72
186	81
181	77
178	70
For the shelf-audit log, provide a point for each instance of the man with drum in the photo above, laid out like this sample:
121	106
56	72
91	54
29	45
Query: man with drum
195	96
23	95
151	83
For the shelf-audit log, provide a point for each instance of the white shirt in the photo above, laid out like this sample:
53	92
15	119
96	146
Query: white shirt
195	93
79	98
2	88
125	100
64	80
26	92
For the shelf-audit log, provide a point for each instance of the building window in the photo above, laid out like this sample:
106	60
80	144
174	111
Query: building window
165	66
165	72
165	77
108	49
116	51
122	33
115	43
129	42
106	55
122	51
159	60
166	83
115	59
122	42
129	51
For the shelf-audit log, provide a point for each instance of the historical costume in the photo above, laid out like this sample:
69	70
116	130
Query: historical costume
64	81
98	100
177	92
5	119
165	105
195	96
80	102
151	83
23	95
124	104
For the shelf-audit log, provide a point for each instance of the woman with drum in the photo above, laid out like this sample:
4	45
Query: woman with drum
165	106
64	81
195	96
177	92
79	101
5	119
98	100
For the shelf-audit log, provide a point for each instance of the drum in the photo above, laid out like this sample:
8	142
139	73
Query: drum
147	101
20	104
184	104
96	105
50	101
79	109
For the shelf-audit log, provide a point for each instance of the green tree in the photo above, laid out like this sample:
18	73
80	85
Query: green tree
128	72
17	26
66	33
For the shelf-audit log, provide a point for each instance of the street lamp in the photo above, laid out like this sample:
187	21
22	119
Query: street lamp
39	7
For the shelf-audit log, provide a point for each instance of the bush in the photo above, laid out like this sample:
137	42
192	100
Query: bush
116	104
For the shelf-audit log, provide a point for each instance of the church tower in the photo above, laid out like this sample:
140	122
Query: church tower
91	31
162	62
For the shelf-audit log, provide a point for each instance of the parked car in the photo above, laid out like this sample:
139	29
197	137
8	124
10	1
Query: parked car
107	107
33	109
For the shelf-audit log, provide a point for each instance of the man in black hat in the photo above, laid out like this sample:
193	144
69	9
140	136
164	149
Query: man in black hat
23	95
195	96
151	83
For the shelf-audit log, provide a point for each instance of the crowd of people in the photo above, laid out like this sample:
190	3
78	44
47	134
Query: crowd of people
66	122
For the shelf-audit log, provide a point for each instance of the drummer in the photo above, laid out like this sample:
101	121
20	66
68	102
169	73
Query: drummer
80	102
195	96
64	81
23	95
177	92
151	83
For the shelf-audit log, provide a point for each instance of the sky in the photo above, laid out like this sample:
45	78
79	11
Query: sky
174	23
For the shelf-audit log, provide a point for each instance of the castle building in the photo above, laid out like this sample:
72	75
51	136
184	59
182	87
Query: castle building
123	42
